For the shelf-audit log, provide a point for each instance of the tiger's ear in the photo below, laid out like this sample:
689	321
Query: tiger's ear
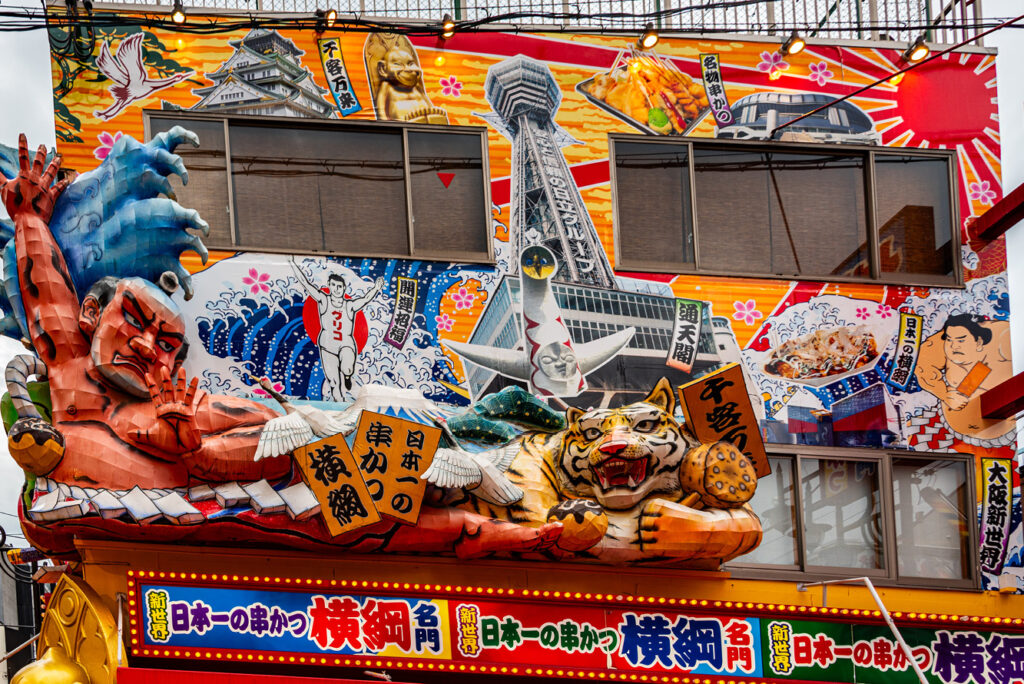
572	414
662	396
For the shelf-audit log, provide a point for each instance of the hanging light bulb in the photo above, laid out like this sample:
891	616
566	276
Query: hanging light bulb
794	44
447	27
178	13
332	18
649	38
917	51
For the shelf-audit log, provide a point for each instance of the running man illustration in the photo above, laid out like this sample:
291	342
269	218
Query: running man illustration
336	340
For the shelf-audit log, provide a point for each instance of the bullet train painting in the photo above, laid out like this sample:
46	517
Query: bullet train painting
755	116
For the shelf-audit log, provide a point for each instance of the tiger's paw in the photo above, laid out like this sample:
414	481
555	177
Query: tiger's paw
35	445
678	531
720	474
584	524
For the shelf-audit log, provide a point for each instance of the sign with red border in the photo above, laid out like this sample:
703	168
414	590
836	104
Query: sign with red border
364	623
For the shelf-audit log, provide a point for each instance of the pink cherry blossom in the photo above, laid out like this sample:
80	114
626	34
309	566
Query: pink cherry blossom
260	392
884	310
450	86
772	63
257	281
820	73
746	311
444	322
463	299
862	313
106	144
982	192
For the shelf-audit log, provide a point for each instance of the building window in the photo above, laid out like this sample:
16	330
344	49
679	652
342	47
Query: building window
931	504
336	187
902	517
841	514
780	209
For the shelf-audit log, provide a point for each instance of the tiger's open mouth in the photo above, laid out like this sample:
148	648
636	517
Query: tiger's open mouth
621	472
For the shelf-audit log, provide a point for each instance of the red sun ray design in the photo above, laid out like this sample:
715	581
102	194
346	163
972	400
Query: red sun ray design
917	112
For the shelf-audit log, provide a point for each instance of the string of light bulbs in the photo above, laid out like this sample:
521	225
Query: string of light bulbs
325	20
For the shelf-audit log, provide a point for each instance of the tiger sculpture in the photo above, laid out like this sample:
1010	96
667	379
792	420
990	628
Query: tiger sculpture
631	484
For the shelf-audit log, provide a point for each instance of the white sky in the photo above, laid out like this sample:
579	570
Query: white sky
26	106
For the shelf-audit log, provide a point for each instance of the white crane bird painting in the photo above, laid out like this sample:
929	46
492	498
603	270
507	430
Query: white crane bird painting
128	72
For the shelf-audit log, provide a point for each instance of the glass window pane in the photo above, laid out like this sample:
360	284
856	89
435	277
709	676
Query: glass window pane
842	513
652	187
322	189
931	504
912	206
207	189
782	213
773	502
447	184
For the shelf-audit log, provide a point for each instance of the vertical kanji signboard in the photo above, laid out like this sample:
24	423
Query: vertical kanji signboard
331	472
717	408
392	454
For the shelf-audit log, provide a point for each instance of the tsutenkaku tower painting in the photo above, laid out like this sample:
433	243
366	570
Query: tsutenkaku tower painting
547	208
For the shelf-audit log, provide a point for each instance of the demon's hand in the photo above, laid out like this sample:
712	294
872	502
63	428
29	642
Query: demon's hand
113	219
31	192
175	403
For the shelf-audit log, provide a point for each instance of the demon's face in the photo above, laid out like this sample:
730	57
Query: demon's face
139	332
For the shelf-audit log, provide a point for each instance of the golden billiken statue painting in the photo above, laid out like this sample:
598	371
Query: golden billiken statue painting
396	80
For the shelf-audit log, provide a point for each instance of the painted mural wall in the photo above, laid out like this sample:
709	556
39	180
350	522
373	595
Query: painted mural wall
845	364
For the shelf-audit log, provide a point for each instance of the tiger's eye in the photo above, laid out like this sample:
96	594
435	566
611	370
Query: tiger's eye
648	425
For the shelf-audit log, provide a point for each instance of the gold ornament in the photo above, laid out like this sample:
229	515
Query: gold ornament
78	639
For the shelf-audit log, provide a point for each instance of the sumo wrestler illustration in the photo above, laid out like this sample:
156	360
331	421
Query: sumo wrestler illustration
957	364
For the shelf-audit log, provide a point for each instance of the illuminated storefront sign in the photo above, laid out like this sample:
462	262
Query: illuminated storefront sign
476	630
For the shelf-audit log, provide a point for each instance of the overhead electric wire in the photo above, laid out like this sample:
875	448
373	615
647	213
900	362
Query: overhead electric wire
29	19
1006	24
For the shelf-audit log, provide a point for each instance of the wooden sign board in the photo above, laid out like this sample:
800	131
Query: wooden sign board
331	472
392	453
717	409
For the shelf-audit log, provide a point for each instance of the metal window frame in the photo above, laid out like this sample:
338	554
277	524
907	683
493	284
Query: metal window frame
866	152
973	579
450	253
954	213
890	575
661	267
886	550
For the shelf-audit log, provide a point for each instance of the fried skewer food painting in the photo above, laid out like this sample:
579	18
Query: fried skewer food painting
649	92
